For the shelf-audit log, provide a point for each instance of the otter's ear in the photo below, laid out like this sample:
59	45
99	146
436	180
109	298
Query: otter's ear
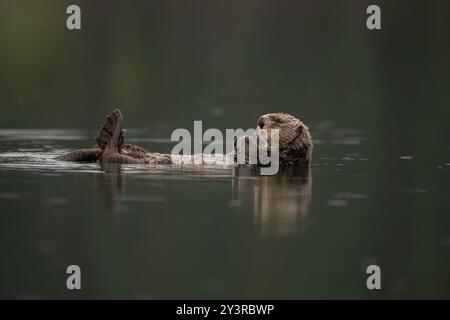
297	143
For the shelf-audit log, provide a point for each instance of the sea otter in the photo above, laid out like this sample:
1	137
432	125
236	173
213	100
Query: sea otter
295	144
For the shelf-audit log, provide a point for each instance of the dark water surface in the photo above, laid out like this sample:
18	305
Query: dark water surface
377	103
205	232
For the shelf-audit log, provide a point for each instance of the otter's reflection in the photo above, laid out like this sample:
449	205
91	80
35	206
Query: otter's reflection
280	202
110	184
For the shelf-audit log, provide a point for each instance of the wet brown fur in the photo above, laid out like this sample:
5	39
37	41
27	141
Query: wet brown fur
295	143
294	140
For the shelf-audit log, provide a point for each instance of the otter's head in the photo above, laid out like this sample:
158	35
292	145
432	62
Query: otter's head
295	144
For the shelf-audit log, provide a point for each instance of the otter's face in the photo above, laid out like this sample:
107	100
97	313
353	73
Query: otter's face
294	138
285	123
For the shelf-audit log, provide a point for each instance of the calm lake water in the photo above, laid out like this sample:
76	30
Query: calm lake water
377	103
221	232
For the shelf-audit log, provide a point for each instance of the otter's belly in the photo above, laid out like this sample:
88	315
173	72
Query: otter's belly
205	159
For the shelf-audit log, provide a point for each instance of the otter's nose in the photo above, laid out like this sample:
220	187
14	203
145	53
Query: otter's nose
260	122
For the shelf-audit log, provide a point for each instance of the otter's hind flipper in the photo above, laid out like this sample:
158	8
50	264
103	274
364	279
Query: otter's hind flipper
111	134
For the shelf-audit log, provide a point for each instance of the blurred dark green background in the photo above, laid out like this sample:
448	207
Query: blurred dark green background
226	62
